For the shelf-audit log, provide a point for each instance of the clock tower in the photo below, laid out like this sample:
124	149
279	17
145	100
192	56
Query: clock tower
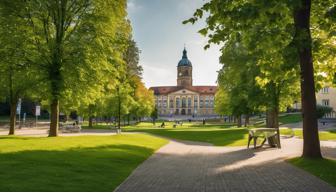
184	71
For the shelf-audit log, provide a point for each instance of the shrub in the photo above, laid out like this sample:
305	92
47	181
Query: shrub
322	110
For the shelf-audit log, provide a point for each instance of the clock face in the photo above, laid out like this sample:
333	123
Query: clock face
180	74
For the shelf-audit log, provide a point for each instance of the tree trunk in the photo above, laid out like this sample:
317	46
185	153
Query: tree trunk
239	121
13	103
12	123
119	110
272	119
303	41
54	121
91	121
247	120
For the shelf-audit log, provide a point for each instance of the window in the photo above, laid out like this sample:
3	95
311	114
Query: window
195	101
177	102
159	103
325	102
211	101
189	102
201	102
184	102
207	101
325	90
171	102
189	111
164	103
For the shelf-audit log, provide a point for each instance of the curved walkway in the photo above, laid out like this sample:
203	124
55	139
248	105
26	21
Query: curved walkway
190	166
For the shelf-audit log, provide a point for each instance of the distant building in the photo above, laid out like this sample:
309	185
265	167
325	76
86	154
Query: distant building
185	99
327	97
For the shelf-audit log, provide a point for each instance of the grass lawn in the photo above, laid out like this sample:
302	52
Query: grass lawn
322	168
84	163
324	135
216	134
290	118
220	135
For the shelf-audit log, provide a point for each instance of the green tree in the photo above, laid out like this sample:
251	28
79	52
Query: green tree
74	69
278	27
18	75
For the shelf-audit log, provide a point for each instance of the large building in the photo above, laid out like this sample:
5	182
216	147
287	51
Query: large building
185	99
327	97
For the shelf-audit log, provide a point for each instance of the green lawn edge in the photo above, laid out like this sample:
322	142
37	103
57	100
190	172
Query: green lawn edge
77	164
321	168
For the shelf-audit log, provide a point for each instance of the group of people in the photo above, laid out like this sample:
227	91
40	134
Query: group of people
178	123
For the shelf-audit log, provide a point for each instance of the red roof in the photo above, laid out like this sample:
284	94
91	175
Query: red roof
164	90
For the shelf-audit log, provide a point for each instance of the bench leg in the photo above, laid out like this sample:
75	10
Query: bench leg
262	144
255	142
249	141
278	141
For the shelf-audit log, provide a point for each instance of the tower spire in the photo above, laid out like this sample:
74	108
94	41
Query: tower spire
185	53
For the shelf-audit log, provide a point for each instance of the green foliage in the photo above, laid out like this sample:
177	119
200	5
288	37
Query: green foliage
78	52
18	74
85	163
154	114
258	71
322	110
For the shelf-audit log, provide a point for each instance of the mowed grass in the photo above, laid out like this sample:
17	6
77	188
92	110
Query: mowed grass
219	135
83	163
214	133
324	135
322	168
290	118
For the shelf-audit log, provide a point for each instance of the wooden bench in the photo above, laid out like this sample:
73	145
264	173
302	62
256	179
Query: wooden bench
70	128
270	134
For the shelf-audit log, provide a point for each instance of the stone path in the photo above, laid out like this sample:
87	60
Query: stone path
189	166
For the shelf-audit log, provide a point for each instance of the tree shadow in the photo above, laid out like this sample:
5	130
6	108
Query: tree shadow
219	169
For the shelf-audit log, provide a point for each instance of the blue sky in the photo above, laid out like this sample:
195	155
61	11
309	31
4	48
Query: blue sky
160	34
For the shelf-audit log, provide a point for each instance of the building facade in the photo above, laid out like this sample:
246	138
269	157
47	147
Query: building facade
184	99
327	97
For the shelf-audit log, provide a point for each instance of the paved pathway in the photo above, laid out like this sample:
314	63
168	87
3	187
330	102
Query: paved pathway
189	166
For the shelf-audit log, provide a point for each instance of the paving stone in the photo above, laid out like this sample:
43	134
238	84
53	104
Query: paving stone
187	166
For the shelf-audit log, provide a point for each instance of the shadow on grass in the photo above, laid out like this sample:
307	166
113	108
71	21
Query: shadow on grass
100	168
218	137
211	125
14	137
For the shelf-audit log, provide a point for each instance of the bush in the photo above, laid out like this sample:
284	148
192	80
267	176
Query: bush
322	110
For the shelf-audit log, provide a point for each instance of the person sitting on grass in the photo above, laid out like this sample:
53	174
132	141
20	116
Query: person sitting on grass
162	125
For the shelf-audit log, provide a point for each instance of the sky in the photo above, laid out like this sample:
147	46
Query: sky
160	35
